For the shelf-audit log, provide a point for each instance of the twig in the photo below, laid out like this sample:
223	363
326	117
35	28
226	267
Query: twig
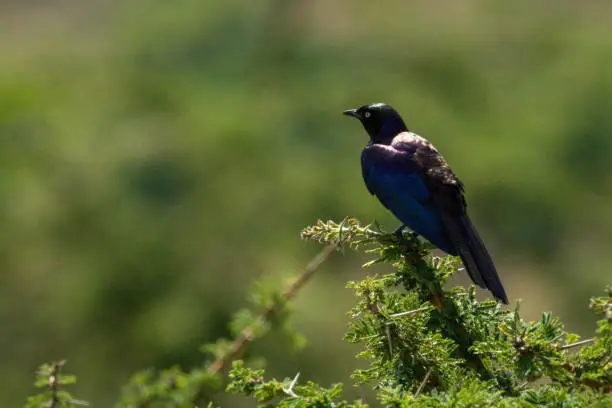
53	383
362	393
411	312
289	391
389	341
247	334
557	337
423	383
576	344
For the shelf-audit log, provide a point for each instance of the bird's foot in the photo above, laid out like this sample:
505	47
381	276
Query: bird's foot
409	244
399	233
399	229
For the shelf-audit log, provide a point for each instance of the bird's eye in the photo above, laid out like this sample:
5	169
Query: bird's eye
367	115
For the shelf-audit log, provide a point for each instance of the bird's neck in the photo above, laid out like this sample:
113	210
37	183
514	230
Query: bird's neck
390	128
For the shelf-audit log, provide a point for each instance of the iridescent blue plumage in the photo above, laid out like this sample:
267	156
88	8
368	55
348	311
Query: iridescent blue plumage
389	176
409	177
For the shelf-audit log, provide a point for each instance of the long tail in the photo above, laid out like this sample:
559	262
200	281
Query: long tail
475	256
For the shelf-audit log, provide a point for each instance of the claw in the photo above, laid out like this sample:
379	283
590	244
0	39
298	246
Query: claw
399	233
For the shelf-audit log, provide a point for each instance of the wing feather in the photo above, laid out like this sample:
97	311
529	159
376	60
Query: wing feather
447	193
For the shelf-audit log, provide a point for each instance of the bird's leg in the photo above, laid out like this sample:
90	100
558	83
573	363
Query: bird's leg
408	244
399	233
414	236
400	237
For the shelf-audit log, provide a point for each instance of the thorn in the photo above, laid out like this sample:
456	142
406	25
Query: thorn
410	312
289	391
557	337
388	332
576	344
340	228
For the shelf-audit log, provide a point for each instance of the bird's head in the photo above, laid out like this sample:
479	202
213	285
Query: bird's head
380	120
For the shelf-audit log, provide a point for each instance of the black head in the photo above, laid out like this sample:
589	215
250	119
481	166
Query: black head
381	121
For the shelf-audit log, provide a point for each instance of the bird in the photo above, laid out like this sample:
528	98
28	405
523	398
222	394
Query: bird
413	181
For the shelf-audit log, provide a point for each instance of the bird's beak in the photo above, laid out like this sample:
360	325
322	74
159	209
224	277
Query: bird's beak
352	112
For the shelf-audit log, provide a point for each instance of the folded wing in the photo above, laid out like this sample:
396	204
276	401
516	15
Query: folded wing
414	182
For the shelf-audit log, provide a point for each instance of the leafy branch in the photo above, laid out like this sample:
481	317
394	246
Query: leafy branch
430	347
176	388
248	333
50	378
426	346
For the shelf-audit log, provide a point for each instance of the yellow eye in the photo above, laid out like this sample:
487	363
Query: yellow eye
367	115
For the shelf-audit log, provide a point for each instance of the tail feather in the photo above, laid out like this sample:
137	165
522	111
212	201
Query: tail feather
475	256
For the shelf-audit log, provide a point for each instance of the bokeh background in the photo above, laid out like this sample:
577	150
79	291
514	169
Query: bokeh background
157	157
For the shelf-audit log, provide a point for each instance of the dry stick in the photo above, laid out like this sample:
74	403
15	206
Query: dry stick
247	334
423	383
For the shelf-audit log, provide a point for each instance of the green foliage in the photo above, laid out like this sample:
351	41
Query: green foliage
251	383
52	380
168	388
425	346
179	389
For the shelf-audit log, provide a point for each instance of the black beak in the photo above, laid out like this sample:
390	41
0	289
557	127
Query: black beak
352	112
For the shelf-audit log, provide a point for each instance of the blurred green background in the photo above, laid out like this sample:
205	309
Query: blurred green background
157	157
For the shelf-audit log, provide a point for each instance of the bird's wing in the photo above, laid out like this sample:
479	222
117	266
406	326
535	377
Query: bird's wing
447	193
380	161
395	178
